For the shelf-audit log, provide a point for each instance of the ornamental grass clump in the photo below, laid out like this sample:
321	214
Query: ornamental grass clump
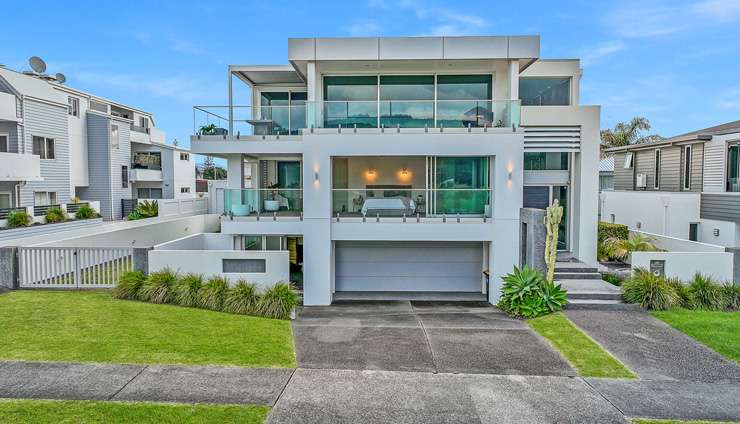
703	293
731	295
55	214
128	285
650	291
278	301
19	219
212	294
242	299
85	212
159	287
186	290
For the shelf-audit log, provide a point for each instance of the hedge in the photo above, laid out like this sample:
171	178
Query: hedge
608	230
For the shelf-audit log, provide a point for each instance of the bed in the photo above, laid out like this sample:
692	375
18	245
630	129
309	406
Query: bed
388	200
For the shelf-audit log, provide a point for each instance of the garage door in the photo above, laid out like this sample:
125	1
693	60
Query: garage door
408	266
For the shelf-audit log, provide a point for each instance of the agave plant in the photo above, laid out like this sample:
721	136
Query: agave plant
526	293
621	248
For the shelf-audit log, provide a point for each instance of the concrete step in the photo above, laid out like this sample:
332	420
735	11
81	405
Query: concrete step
594	295
568	268
577	276
601	305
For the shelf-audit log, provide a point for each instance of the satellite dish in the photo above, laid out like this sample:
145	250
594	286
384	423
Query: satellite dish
37	64
61	79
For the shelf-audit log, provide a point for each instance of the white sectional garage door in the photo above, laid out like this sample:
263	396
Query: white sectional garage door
408	266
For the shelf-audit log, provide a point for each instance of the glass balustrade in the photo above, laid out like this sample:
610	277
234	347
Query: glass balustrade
251	201
397	202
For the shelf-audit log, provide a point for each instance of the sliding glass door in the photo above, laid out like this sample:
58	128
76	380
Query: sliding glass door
407	101
461	185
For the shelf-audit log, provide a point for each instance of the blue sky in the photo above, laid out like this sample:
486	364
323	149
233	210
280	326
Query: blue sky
676	63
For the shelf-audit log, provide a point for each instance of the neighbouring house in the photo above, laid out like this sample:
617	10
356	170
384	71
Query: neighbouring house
398	167
685	187
58	143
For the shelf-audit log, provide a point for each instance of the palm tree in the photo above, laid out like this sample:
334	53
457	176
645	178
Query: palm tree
621	248
628	133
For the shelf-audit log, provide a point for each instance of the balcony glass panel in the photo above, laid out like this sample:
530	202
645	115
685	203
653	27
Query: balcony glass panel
251	201
275	109
461	178
397	202
297	112
407	101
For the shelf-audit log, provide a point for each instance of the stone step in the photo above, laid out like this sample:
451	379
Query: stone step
575	269
594	295
601	305
577	276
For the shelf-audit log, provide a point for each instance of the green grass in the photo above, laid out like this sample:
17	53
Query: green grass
81	326
86	412
586	356
650	421
716	329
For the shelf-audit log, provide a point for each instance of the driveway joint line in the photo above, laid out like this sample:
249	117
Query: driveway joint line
285	386
128	382
429	343
603	397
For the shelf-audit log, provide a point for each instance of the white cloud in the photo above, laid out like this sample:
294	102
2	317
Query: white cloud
645	19
602	51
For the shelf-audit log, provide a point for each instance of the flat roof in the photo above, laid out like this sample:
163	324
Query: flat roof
267	74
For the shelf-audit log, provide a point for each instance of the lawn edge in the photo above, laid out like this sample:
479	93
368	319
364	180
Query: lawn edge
653	314
633	375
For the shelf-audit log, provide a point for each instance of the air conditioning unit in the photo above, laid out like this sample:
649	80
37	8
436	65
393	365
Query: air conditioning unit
641	181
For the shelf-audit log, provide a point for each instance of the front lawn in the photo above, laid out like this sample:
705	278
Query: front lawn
586	356
78	326
716	329
63	412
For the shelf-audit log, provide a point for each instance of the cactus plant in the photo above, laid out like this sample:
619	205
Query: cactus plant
553	216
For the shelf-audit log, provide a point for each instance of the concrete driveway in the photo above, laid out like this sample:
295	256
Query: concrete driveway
438	337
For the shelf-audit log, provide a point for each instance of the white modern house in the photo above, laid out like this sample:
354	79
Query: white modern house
58	143
685	187
398	167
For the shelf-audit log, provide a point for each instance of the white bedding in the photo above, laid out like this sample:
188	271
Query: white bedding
400	204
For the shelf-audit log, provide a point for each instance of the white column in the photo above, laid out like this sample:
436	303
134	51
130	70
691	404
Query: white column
507	182
317	245
586	187
514	80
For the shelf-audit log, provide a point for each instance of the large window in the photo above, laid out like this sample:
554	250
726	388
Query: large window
149	193
464	100
124	176
73	108
407	101
43	147
286	110
351	101
546	161
463	185
733	169
544	91
114	139
44	198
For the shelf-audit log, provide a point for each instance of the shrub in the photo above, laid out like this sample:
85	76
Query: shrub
185	292
607	230
19	219
159	287
55	214
278	301
703	293
526	293
85	212
242	299
133	216
612	278
621	249
681	290
148	209
128	285
212	294
650	291
731	295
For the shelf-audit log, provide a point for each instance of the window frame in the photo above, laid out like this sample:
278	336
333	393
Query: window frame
656	169
48	198
184	190
185	155
687	163
44	147
629	160
114	129
73	108
7	142
124	176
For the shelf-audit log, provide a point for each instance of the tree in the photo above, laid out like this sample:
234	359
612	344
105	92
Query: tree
628	133
211	171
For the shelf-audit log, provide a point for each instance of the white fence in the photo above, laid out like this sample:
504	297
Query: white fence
72	267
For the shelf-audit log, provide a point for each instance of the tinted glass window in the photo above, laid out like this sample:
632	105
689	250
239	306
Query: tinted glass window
464	87
546	161
544	91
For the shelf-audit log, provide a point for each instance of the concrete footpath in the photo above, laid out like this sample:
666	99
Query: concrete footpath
320	395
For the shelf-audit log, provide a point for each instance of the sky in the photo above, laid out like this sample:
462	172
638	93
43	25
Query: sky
676	63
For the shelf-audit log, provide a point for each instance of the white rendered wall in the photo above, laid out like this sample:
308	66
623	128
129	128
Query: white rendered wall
661	213
200	241
209	263
674	244
684	265
78	169
729	232
183	174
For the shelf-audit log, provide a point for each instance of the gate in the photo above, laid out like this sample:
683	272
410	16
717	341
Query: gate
72	267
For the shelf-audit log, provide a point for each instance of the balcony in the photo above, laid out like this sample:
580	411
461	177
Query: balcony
411	203
146	135
290	120
8	107
20	167
142	174
263	202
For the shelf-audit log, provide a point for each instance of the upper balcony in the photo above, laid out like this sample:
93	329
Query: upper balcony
146	135
8	107
20	167
275	121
